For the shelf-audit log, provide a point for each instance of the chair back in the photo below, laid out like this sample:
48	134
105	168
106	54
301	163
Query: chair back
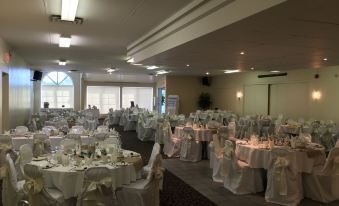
25	154
68	145
155	152
331	166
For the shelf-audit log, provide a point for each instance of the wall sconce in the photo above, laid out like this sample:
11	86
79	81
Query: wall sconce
239	95
316	95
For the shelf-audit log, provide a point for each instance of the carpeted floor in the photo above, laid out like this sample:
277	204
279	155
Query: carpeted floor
175	191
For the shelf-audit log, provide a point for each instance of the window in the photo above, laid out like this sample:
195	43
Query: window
142	96
103	97
57	89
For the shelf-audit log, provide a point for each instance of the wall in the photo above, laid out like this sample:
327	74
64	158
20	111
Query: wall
290	95
188	88
20	89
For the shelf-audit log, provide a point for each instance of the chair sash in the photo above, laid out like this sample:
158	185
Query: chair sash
279	171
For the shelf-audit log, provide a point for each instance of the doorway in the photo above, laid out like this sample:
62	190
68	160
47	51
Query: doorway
161	100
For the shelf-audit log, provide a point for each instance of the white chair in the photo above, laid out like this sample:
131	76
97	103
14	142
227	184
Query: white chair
323	184
68	145
35	190
159	133
231	129
239	177
222	136
25	156
284	185
155	152
191	149
217	157
97	181
145	132
171	143
41	145
91	124
143	192
12	189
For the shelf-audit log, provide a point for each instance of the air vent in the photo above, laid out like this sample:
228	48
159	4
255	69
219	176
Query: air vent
57	18
272	75
73	70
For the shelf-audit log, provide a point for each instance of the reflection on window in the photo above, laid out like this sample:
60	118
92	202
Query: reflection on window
57	89
103	97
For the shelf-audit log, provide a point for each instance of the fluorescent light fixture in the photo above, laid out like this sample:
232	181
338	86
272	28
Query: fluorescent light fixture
162	72
64	41
69	9
110	70
152	67
231	71
275	71
131	60
137	64
62	62
207	73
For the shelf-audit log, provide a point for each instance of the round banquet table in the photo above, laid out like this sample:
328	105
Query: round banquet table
200	134
302	160
70	181
55	141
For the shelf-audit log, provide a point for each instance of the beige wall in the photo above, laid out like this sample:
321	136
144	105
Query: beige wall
290	95
20	89
188	88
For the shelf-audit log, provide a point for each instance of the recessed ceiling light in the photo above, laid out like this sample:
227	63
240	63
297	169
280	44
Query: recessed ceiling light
64	41
110	70
162	72
62	62
207	73
69	9
131	60
252	68
275	71
242	53
187	65
325	59
152	67
231	71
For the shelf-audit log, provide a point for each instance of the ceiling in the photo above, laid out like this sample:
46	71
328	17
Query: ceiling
293	35
100	42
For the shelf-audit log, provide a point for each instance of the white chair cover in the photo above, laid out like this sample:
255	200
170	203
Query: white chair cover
171	143
35	190
284	185
96	181
25	156
155	152
143	192
11	189
217	155
91	124
41	145
159	133
68	145
239	177
323	184
191	149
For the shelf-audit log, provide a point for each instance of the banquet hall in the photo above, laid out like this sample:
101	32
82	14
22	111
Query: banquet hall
169	102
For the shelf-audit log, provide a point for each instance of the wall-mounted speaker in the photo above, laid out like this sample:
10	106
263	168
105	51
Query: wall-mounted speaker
37	76
206	81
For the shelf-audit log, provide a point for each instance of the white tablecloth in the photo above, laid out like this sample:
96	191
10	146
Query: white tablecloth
55	141
70	182
258	157
199	133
